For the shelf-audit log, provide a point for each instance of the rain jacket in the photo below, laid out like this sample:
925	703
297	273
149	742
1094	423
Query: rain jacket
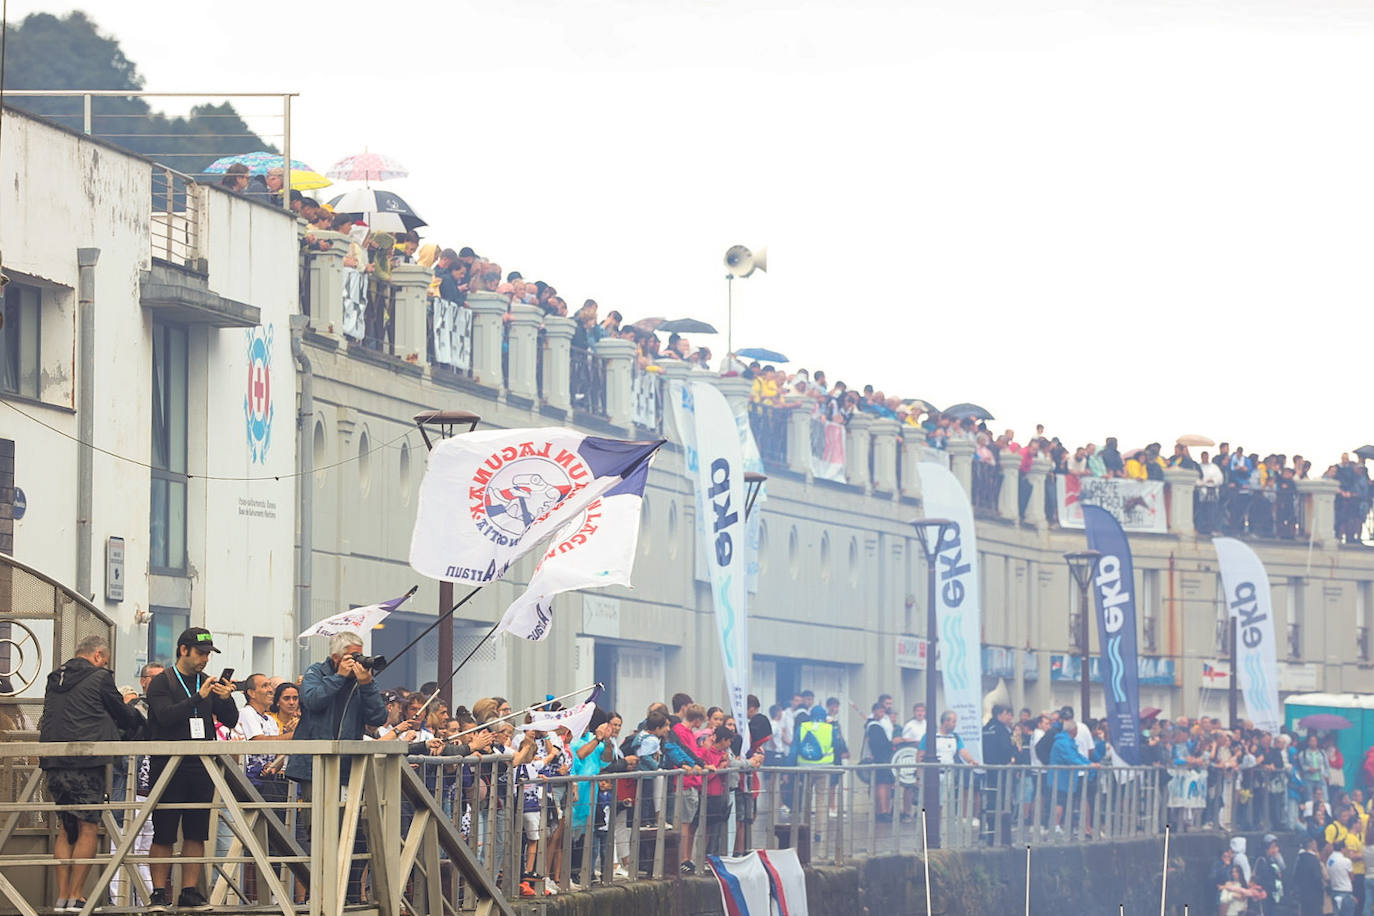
333	708
83	704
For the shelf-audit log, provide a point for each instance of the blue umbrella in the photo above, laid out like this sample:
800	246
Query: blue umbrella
258	163
762	355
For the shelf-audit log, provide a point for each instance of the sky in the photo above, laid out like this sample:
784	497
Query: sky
1138	218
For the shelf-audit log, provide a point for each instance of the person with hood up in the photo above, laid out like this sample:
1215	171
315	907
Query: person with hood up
81	703
1240	858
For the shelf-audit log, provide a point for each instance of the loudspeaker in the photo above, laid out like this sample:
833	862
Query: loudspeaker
741	262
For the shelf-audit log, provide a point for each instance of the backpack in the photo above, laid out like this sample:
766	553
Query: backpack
809	747
1046	743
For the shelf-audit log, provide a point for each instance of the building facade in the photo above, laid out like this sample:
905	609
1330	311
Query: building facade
194	379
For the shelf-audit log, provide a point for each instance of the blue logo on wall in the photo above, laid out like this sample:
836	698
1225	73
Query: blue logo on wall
257	399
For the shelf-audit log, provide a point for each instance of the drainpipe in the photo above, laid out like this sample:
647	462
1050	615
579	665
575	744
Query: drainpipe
305	482
86	259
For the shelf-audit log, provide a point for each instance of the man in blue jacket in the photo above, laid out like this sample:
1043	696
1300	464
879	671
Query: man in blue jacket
338	700
1064	753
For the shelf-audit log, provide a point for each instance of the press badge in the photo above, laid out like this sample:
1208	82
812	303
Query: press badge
198	729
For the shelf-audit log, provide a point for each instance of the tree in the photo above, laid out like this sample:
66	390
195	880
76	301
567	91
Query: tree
47	52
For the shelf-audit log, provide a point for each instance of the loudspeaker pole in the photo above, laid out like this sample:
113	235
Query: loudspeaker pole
729	315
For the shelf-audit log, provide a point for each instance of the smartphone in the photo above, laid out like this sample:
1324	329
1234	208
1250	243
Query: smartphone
228	675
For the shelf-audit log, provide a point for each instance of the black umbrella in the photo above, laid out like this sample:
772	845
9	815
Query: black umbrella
382	210
1365	451
967	410
686	326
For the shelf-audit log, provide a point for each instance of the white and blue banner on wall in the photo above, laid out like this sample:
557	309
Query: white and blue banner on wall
959	610
716	460
1248	601
1114	586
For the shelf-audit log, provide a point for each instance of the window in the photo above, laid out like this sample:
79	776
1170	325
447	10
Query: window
167	525
19	336
168	623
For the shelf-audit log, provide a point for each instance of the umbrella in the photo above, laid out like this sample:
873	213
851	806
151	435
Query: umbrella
1365	451
762	355
648	325
968	410
382	210
1324	722
1150	712
686	326
921	404
1194	439
367	167
303	177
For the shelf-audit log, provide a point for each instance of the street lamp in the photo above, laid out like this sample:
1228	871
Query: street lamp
1083	566
753	482
443	424
931	533
739	262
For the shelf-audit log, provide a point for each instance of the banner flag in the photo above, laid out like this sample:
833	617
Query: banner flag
595	549
714	456
1137	504
1115	589
574	718
753	461
959	611
1248	601
786	881
744	885
488	498
357	620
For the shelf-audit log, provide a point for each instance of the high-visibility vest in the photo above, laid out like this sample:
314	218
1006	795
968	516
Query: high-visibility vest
816	744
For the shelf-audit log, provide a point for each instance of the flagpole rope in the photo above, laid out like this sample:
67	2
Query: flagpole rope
391	660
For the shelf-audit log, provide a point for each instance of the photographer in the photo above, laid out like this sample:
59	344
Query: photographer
183	705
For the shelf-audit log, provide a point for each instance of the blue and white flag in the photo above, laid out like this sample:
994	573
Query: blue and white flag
1115	589
959	609
595	549
357	620
1249	602
744	885
573	718
488	498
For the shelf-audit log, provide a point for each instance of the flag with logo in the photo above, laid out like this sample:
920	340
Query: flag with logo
1114	586
1249	603
716	459
574	718
593	550
488	498
958	610
357	620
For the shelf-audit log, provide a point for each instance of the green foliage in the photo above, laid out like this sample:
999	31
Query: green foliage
47	52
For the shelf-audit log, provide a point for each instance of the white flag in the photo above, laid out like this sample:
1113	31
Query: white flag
490	497
356	620
1248	601
594	550
574	718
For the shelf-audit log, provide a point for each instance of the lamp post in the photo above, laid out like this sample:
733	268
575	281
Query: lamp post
1083	566
931	533
753	482
443	423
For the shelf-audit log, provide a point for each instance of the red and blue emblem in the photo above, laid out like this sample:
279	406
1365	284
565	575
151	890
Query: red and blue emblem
257	400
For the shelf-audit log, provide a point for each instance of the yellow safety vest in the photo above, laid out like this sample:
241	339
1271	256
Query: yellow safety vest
823	734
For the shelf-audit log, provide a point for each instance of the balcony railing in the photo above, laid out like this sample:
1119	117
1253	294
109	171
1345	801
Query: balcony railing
177	205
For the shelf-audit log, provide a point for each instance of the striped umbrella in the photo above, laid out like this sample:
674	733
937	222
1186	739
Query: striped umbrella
303	177
367	167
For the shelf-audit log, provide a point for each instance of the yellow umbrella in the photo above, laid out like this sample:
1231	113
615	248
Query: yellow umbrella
305	180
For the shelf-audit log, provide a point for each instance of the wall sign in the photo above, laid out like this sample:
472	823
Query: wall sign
114	569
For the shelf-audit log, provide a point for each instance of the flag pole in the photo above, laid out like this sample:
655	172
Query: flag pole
1028	879
520	712
925	858
437	620
1164	882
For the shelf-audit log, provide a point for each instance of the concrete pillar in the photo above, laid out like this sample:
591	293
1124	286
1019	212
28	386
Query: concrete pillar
411	281
1007	497
859	442
326	285
914	451
799	439
736	390
886	436
674	370
522	333
1035	509
1320	498
488	311
1180	485
961	462
557	357
618	357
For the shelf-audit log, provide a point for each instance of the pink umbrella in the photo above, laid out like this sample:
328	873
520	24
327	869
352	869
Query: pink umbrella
367	167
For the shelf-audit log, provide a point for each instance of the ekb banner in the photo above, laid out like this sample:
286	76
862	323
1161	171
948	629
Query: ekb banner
1114	586
1248	601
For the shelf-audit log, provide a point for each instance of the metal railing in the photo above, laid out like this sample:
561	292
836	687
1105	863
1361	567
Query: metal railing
178	202
987	486
587	381
770	432
646	398
366	834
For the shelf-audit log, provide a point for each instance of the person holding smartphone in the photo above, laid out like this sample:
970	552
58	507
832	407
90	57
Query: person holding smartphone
184	704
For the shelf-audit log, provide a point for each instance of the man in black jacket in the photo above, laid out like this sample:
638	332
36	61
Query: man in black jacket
999	750
183	705
81	704
1268	872
1308	886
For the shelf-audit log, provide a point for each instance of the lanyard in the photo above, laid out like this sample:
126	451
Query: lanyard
189	692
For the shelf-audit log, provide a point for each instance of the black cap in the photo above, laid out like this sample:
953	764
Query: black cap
1066	712
197	637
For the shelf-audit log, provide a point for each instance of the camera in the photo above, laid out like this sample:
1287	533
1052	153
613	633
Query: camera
370	662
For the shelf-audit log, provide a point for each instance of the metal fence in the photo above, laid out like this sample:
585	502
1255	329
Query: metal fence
587	381
178	202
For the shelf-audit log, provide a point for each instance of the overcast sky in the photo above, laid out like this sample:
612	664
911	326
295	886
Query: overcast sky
1116	218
